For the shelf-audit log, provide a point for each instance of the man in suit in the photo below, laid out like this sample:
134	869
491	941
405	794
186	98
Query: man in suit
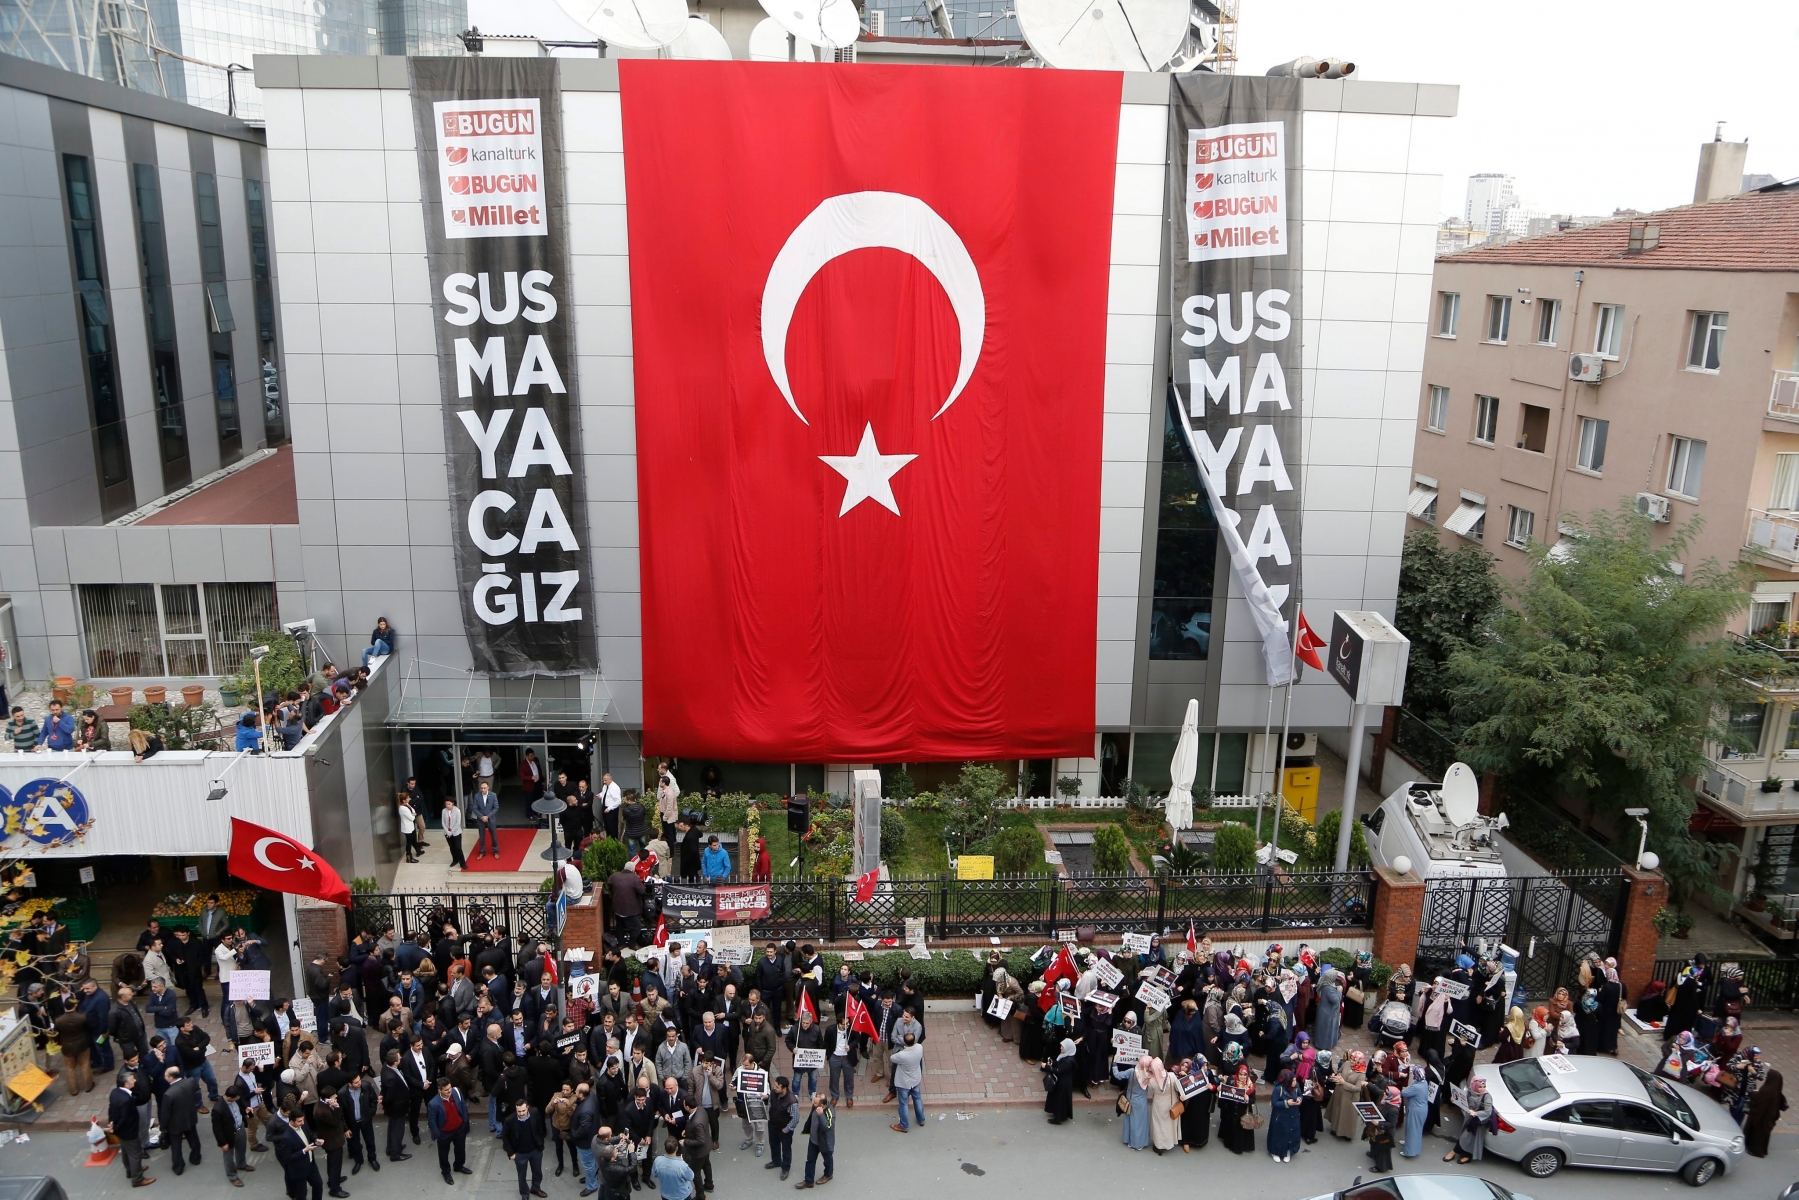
523	1137
418	1066
123	1122
231	1133
357	1099
328	1122
398	1099
181	1117
485	807
126	1024
448	1117
293	1150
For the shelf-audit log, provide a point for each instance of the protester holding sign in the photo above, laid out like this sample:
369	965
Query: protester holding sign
1237	1122
1059	1081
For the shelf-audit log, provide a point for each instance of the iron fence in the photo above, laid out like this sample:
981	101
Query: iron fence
1553	921
1770	982
523	915
1428	748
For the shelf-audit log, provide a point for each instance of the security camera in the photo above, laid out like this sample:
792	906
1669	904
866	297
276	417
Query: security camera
1636	812
257	652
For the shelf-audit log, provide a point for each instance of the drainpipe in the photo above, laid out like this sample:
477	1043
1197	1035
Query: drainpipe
1567	415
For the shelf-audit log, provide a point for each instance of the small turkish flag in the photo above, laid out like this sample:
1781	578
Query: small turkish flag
1192	942
275	861
805	1005
860	1021
1062	968
1308	645
661	930
865	886
549	970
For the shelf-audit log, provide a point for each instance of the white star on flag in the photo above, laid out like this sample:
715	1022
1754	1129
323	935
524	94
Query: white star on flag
305	863
868	473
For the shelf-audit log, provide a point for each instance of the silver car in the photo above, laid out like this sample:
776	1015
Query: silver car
1600	1112
1423	1187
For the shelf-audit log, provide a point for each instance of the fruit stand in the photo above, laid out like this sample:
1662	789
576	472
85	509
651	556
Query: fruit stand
181	910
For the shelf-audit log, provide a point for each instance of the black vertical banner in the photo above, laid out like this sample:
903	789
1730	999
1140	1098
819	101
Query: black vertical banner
1234	195
490	172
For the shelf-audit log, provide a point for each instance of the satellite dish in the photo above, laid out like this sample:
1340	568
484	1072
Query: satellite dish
1460	793
700	40
769	42
630	24
830	24
1105	35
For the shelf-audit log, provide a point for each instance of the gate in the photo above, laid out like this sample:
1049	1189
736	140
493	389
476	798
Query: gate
521	914
1553	921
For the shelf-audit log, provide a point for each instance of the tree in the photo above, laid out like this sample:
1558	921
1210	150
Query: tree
1111	851
1018	849
1233	848
1446	602
1606	674
977	790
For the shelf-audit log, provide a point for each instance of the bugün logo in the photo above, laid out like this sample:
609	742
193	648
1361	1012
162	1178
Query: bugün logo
495	122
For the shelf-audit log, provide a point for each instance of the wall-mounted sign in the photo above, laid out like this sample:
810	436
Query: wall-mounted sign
47	811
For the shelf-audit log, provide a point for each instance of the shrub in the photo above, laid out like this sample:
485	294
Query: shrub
925	802
1111	851
1068	786
1234	848
1018	849
283	669
1339	958
727	813
957	975
893	831
1379	972
175	726
1323	844
899	784
602	857
977	789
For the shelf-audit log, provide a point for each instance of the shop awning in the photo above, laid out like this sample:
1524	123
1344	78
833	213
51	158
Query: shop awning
1422	503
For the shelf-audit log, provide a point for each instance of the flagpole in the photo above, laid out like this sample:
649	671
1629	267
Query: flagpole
1267	725
1280	797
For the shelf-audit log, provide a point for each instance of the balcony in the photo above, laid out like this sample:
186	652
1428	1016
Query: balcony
1773	537
1783	400
1733	792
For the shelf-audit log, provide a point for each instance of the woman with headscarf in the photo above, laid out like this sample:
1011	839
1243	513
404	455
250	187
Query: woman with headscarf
1234	1035
1460	1063
1059	1082
1347	1083
1196	1116
1417	1099
1164	1127
1683	1007
1511	1037
1433	1027
1030	1032
1381	1133
1677	1063
1328	1024
1283	1118
1731	992
1133	1106
1765	1108
1355	993
1538	1032
1006	988
995	962
1212	1022
1155	1032
1607	1020
1751	1076
1100	1054
1567	1032
1237	1138
1728	1041
1471	1144
1434	1075
1276	1033
1313	1074
1186	1032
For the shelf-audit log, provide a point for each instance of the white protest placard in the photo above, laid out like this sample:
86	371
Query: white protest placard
1053	857
868	943
1000	1008
1071	1010
191	875
1451	988
1234	1095
1137	943
249	985
86	875
1125	1039
1153	997
806	1060
752	1083
1458	1096
584	987
1162	977
919	953
1102	1001
1369	1113
1557	1064
1109	975
1065	935
302	1011
1466	1033
915	931
1192	1085
260	1053
854	956
730	944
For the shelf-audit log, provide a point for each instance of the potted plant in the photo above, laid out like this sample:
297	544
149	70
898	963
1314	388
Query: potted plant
193	695
1068	787
1777	914
156	694
121	696
1773	783
1683	924
229	695
1665	920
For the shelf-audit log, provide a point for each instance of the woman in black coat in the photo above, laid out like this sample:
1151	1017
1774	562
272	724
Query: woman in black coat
1030	1031
1058	1080
1355	1011
1196	1115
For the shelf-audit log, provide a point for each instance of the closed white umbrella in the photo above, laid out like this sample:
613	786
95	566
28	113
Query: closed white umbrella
1181	771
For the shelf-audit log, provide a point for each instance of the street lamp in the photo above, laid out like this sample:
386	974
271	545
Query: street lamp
262	711
1647	860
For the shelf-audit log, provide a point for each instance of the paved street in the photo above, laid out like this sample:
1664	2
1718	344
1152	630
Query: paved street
948	1160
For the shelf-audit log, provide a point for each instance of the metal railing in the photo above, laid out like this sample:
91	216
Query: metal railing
1771	982
1553	920
1736	790
1425	746
1783	398
522	915
1773	535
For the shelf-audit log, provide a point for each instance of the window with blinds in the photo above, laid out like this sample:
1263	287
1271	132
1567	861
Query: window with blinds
1785	494
143	630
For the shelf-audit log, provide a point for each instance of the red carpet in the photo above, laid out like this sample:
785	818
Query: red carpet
514	845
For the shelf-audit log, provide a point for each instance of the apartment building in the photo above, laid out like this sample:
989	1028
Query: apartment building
1655	360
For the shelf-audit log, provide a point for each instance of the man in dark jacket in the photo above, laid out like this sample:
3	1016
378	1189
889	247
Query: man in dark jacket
696	1148
628	893
357	1100
448	1117
123	1122
187	961
582	1128
293	1150
180	1117
398	1101
126	1025
191	1046
94	1005
523	1137
328	1126
640	1118
771	976
231	1134
780	1128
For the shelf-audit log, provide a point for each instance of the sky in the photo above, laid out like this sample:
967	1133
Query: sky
1592	105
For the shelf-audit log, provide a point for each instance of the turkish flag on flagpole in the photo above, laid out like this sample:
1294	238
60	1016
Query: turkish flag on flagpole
805	1004
870	398
661	930
865	886
860	1021
1308	645
1192	941
272	860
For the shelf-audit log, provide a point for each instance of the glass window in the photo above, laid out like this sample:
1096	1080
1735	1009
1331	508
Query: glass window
1549	316
1745	729
146	630
235	614
1180	624
1784	497
1686	467
1634	1118
1584	1112
1523	524
1528	1083
93	311
1608	335
274	423
1764	615
1486	418
1436	417
119	624
1591	455
219	322
1707	347
1499	318
159	318
1449	309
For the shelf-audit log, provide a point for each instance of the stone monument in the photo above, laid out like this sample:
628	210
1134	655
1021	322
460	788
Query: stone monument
865	797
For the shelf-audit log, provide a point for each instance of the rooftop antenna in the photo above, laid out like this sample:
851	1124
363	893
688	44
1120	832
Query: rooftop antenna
1105	35
700	40
827	24
632	24
769	42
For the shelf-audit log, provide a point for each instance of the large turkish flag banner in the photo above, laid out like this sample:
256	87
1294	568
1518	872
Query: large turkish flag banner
868	312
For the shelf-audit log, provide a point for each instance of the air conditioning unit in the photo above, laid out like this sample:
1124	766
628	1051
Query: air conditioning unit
1302	745
1655	507
1586	368
1299	745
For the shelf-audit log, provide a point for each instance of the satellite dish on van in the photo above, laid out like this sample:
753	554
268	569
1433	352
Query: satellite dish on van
700	40
769	42
830	24
631	24
1104	35
1460	792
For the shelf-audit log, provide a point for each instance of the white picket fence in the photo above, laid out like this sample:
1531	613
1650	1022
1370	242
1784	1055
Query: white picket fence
1078	802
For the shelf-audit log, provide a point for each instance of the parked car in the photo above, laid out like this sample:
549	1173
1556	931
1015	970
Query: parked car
1600	1112
1423	1187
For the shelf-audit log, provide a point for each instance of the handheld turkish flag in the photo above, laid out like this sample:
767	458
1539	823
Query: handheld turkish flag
865	886
1062	968
1192	941
1308	645
661	930
860	1021
277	862
805	1004
870	392
549	969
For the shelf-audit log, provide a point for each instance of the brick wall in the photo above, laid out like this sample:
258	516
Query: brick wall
1637	940
322	930
1398	915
